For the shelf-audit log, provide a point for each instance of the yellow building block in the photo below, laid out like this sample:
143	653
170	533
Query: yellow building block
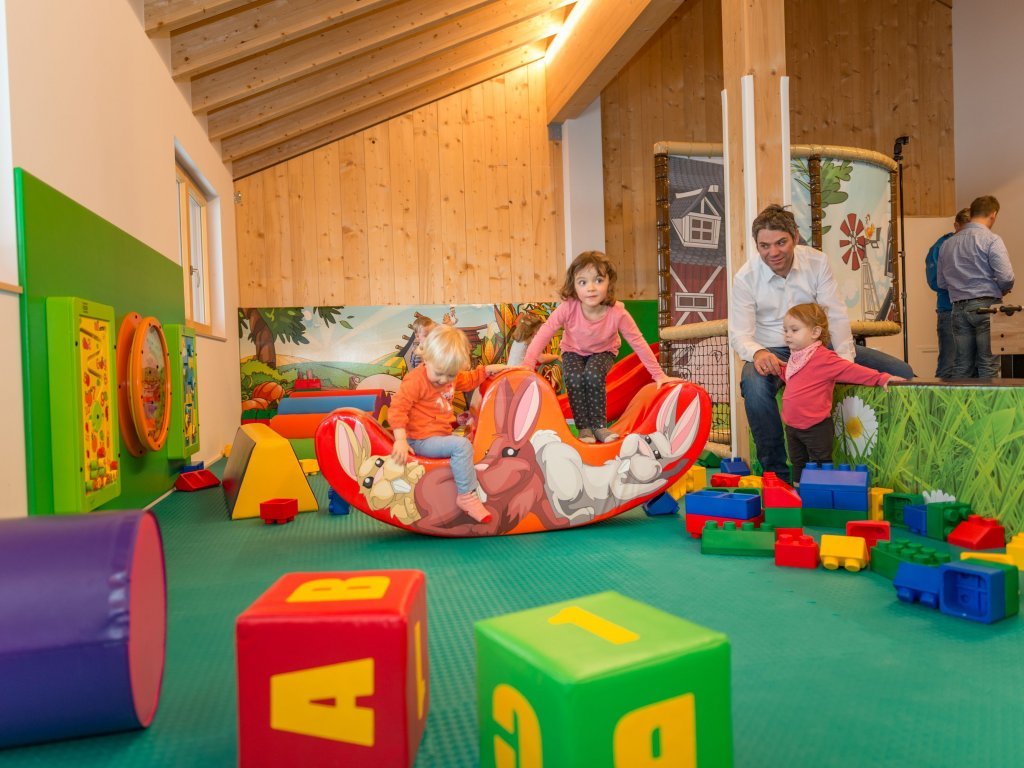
850	552
695	479
750	481
1015	549
263	466
875	502
227	450
310	466
989	557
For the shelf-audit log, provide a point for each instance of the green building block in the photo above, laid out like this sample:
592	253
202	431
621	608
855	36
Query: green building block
1011	592
943	516
893	504
886	556
602	681
709	459
830	518
730	540
784	517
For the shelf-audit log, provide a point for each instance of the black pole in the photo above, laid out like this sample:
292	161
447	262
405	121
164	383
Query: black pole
901	254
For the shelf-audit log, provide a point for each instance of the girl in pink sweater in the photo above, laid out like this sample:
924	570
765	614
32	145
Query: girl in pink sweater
592	320
810	376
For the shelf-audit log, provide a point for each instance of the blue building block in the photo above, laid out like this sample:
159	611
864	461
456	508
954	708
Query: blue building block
918	584
193	467
817	498
975	592
663	504
915	517
737	506
735	466
824	487
335	504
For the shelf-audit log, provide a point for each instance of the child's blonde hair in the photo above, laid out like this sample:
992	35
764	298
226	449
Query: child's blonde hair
604	268
446	348
526	327
812	315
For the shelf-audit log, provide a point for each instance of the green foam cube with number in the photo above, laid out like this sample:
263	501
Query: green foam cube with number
602	680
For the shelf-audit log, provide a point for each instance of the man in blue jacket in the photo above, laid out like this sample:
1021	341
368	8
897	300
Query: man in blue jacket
943	306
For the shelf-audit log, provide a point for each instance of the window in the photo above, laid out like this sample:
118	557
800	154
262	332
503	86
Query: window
695	302
194	250
701	231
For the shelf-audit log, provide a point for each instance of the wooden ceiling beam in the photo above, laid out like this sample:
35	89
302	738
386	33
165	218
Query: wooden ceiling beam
167	16
429	46
594	46
330	48
258	28
399	103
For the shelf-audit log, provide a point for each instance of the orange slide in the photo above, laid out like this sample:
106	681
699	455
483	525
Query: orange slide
625	379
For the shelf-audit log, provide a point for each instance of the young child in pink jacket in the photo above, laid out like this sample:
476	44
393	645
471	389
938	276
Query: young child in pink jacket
811	375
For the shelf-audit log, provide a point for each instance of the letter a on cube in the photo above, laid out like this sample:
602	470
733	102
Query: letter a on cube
332	670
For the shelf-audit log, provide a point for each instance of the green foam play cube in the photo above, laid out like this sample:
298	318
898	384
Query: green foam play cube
602	680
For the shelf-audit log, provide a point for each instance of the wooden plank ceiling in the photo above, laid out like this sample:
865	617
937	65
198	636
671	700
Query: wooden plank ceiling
277	78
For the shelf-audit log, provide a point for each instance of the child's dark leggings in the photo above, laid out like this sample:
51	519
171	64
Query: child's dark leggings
585	380
811	444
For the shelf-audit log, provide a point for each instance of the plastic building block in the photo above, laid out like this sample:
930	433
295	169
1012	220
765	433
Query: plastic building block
849	552
196	481
310	466
709	459
227	451
307	384
915	517
977	532
735	466
336	505
984	593
780	532
725	480
778	493
827	488
988	557
662	504
872	531
751	481
738	506
784	517
278	511
695	523
875	497
193	467
944	516
730	540
918	584
887	555
1015	549
829	518
324	660
893	503
796	551
695	479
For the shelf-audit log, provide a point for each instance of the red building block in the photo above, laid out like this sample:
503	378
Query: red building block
796	552
725	480
977	532
779	532
196	481
776	493
332	670
278	511
695	523
872	531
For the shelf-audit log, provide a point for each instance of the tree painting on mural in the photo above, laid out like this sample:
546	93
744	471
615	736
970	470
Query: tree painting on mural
281	323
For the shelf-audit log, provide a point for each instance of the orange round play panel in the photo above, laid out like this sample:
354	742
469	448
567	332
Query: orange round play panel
144	383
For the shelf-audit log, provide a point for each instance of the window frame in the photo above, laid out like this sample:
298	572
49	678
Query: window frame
187	188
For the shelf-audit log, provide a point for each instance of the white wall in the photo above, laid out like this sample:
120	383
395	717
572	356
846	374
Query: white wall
583	182
95	114
987	60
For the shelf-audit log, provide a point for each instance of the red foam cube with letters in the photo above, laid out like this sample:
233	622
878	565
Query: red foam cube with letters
332	670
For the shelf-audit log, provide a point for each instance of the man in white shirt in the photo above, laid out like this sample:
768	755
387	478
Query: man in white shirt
763	291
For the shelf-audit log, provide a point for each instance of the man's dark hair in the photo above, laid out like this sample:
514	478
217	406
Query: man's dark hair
778	219
985	205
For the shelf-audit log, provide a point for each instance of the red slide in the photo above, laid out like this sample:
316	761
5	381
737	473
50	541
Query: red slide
627	377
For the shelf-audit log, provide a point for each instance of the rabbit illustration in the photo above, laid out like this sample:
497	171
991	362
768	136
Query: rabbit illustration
510	481
581	492
383	482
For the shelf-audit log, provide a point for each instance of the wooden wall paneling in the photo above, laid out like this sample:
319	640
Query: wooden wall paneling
252	252
405	238
330	261
379	244
302	213
612	145
547	208
428	204
711	74
634	211
452	192
278	238
474	161
498	219
517	110
354	242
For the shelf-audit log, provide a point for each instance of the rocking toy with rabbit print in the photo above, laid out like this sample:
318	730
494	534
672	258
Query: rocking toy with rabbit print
533	474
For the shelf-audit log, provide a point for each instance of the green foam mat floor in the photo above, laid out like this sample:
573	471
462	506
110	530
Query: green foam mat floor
828	668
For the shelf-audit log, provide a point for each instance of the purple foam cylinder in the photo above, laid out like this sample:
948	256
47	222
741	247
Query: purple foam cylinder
83	621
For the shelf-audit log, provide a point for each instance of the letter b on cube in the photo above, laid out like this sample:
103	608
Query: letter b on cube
602	681
332	670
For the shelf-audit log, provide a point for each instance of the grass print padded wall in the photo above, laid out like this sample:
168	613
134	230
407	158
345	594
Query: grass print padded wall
64	249
967	441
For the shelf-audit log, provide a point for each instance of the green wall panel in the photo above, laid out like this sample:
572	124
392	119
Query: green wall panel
65	249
